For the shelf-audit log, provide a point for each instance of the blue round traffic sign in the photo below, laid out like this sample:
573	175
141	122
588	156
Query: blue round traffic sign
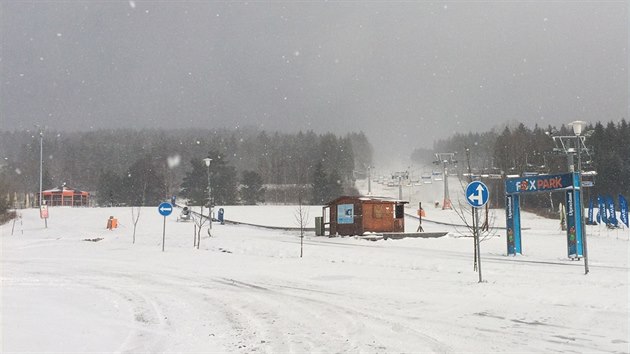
165	209
477	194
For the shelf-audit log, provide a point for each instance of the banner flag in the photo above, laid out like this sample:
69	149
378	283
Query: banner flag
513	224
623	209
590	220
599	217
612	213
602	209
574	227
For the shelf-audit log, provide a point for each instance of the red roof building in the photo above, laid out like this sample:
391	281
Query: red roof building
65	196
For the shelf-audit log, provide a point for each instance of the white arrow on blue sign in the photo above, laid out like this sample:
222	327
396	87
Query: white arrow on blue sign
477	194
165	209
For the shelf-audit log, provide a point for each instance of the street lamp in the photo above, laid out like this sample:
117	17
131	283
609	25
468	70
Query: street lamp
41	168
207	161
578	127
369	176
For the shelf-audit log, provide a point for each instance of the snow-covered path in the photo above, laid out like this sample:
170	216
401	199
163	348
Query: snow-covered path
246	290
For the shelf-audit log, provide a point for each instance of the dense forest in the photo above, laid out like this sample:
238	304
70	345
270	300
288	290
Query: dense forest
129	167
517	150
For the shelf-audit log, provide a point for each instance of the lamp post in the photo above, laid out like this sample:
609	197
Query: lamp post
369	176
207	161
578	127
41	168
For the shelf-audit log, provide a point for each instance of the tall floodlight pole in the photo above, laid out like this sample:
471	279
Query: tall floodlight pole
446	204
369	180
207	161
41	169
578	127
445	158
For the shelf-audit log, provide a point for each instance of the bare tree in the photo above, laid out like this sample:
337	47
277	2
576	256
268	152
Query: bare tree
199	220
135	216
135	211
470	218
301	218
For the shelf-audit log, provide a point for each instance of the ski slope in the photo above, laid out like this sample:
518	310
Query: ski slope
246	290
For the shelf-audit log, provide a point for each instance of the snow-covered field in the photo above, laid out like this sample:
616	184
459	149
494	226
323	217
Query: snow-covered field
247	290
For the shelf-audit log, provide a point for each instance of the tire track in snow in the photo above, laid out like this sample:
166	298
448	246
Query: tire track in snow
351	330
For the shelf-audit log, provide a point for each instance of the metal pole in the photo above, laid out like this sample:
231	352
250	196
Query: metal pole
420	228
582	205
209	204
477	243
472	212
446	204
570	162
369	180
41	169
163	233
400	196
41	165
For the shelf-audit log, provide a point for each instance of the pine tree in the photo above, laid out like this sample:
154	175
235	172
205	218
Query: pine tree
195	184
109	191
223	182
334	187
252	190
320	185
145	184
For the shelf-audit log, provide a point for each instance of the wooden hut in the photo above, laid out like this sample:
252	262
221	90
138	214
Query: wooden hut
358	215
65	196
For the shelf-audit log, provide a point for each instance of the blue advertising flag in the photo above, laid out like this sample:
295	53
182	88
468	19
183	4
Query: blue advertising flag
612	214
574	235
590	220
602	209
513	224
623	209
599	218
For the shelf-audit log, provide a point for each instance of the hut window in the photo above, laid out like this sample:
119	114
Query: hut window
400	211
378	211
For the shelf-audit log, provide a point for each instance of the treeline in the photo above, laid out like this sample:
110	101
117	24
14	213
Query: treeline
148	165
520	149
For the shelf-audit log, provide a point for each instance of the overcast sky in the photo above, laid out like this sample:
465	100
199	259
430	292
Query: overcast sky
404	72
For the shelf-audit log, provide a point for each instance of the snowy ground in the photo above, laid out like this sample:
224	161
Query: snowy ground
247	290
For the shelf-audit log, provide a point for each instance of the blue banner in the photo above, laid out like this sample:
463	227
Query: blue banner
612	213
540	183
623	209
591	220
574	226
602	209
513	224
599	218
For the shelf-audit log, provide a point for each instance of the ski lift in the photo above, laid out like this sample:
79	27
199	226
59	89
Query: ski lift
437	176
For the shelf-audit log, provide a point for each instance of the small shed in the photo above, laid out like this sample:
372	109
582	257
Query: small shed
357	215
66	196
